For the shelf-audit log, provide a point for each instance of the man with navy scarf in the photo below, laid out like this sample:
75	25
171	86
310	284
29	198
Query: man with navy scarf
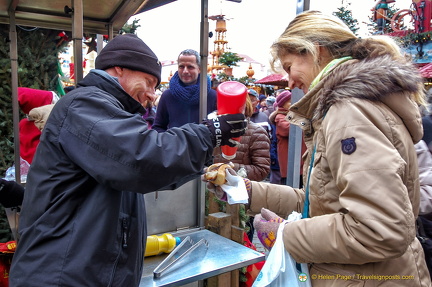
180	103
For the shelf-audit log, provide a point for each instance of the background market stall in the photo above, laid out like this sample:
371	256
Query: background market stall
274	80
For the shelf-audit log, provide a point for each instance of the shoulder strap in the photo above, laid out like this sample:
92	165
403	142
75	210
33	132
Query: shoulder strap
305	213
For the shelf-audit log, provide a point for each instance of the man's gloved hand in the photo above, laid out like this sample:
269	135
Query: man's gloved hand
266	224
11	193
226	127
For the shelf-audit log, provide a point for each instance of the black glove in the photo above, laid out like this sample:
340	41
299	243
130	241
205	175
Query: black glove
226	127
11	193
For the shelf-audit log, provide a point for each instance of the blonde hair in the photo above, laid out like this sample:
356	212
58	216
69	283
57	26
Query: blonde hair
249	110
312	29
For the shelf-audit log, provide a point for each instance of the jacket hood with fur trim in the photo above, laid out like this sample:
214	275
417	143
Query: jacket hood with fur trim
378	79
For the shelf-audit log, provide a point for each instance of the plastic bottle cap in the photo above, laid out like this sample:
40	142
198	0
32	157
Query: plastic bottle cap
178	241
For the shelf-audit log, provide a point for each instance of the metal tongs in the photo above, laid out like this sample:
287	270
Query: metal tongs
161	268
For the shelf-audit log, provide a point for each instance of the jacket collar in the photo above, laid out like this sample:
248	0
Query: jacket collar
378	79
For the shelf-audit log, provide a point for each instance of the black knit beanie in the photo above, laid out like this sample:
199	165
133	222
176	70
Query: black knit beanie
129	51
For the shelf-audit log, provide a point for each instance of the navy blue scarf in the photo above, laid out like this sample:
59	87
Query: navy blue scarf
188	94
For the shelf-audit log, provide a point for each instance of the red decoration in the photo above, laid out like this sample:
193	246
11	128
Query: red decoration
62	38
423	16
252	270
6	253
71	70
63	35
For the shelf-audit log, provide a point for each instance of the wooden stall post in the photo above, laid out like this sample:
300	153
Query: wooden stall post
220	223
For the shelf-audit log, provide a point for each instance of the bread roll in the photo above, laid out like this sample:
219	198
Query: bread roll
216	173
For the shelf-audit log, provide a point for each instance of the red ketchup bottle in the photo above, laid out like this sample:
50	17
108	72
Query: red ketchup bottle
231	99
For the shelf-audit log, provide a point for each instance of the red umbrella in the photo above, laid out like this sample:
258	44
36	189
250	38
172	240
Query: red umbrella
275	80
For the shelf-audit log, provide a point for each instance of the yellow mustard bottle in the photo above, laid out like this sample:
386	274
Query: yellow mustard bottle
157	244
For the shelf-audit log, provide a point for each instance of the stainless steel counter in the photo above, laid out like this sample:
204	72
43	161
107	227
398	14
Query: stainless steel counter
222	255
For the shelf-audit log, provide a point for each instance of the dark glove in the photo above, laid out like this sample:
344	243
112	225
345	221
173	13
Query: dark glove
11	193
226	127
266	224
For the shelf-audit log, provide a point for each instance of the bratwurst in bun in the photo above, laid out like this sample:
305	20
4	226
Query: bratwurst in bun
216	173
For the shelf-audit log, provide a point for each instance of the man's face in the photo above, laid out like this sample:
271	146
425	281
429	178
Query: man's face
139	85
188	69
254	101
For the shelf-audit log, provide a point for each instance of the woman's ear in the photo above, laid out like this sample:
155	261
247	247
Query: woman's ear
323	56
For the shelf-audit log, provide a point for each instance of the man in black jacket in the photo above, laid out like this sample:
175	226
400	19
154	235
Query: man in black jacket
83	219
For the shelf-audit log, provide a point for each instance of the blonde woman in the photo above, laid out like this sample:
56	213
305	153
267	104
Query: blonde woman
360	119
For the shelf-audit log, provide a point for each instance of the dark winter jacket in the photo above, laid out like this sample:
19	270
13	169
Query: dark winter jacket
172	112
427	130
274	162
263	120
83	220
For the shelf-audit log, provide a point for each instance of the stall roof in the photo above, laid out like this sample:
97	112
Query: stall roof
97	14
98	17
274	79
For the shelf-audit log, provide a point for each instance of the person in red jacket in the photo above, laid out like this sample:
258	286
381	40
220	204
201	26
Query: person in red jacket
29	134
278	117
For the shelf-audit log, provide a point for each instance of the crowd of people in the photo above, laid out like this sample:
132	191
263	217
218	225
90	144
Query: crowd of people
366	168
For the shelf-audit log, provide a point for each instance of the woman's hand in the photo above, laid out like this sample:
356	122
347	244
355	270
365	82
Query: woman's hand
217	189
266	224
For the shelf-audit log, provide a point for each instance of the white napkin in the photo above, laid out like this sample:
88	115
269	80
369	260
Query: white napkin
235	189
294	216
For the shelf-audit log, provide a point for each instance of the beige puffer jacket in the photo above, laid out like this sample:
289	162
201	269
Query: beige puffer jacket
364	187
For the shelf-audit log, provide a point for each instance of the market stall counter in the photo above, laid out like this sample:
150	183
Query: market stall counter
217	256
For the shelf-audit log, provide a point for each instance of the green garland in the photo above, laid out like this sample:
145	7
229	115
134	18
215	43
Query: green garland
413	38
222	207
